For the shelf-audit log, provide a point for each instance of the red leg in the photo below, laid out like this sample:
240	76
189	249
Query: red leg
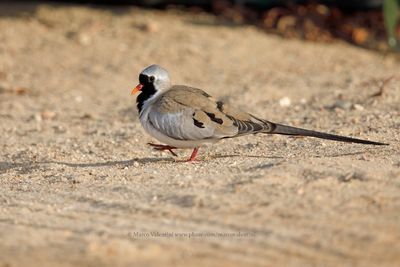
163	147
194	154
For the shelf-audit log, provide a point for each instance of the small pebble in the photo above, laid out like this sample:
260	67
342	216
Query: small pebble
84	39
345	105
87	116
300	191
358	107
48	115
149	27
59	129
285	101
38	117
21	90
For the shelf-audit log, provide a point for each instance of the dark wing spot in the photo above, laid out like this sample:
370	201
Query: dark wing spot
198	123
220	106
214	119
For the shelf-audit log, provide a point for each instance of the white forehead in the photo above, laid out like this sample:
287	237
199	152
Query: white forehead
156	71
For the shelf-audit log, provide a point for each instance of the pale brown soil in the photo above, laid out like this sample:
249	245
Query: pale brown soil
79	185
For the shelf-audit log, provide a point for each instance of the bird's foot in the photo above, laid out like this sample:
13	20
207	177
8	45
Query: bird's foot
194	154
160	147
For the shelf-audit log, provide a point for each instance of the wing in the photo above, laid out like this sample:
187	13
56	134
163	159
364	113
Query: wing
187	113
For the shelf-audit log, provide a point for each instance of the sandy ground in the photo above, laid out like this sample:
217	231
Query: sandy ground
79	185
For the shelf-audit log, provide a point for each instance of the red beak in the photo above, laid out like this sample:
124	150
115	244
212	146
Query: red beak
137	89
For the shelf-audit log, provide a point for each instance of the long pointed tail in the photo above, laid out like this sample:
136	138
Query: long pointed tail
289	130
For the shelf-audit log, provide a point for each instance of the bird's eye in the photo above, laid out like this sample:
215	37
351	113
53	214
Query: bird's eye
151	78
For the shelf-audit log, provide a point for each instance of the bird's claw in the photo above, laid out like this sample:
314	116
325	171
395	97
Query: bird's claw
160	147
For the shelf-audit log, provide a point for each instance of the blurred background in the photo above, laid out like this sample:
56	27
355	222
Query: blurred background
373	24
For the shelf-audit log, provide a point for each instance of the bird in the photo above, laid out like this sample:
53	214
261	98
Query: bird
184	117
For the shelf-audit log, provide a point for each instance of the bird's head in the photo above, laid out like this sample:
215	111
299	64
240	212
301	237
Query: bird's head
153	79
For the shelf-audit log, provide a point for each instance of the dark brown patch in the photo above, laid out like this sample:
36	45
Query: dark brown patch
220	106
197	123
214	119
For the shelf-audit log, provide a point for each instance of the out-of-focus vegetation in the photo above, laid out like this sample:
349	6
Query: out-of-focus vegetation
391	9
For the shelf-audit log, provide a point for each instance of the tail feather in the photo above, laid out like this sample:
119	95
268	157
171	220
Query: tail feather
276	128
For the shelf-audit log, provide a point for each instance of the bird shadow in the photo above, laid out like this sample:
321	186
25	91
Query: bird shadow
220	156
29	166
112	163
337	155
